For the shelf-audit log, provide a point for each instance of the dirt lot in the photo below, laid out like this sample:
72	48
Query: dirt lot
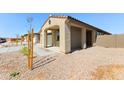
91	63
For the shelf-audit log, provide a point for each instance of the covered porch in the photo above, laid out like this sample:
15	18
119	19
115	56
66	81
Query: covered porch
52	37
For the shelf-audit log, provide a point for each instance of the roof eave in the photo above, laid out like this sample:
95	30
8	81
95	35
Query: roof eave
98	29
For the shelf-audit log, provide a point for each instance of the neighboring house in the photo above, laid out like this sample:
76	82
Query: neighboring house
68	34
36	38
11	40
25	36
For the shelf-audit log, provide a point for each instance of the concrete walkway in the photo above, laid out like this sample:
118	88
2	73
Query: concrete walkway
43	52
37	50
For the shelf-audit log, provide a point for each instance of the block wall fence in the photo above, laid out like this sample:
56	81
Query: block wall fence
110	41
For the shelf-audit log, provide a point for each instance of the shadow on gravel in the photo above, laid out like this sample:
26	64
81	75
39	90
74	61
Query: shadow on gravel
43	61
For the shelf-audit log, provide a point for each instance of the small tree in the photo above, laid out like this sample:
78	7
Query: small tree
17	38
30	20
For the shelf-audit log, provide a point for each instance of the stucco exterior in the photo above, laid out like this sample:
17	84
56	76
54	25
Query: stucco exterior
72	33
111	41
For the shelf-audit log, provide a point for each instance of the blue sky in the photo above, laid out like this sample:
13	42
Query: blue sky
12	24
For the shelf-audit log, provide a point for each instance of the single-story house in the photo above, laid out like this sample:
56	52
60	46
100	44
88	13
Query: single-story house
68	34
36	37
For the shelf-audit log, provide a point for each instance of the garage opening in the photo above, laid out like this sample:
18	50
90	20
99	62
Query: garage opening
75	38
89	38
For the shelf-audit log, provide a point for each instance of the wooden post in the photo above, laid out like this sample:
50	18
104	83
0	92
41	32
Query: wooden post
32	41
30	49
31	55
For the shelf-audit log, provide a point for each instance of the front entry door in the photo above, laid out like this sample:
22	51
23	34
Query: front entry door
49	40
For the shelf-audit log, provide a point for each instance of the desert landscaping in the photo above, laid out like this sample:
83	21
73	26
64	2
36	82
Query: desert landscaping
93	63
64	48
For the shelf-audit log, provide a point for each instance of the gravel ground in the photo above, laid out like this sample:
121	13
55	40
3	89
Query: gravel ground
11	62
77	65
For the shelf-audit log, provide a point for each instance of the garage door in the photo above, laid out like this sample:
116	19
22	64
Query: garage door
75	38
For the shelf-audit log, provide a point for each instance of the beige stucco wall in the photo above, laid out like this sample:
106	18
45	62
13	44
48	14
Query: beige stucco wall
36	38
105	41
65	34
111	41
83	38
67	38
120	40
53	37
94	37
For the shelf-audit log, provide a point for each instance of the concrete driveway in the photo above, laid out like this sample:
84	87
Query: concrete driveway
37	50
43	52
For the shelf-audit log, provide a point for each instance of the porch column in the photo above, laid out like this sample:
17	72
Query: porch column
53	38
46	39
62	37
65	36
93	37
83	38
43	39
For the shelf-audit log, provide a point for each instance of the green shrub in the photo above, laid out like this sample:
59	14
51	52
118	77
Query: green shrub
24	50
14	74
